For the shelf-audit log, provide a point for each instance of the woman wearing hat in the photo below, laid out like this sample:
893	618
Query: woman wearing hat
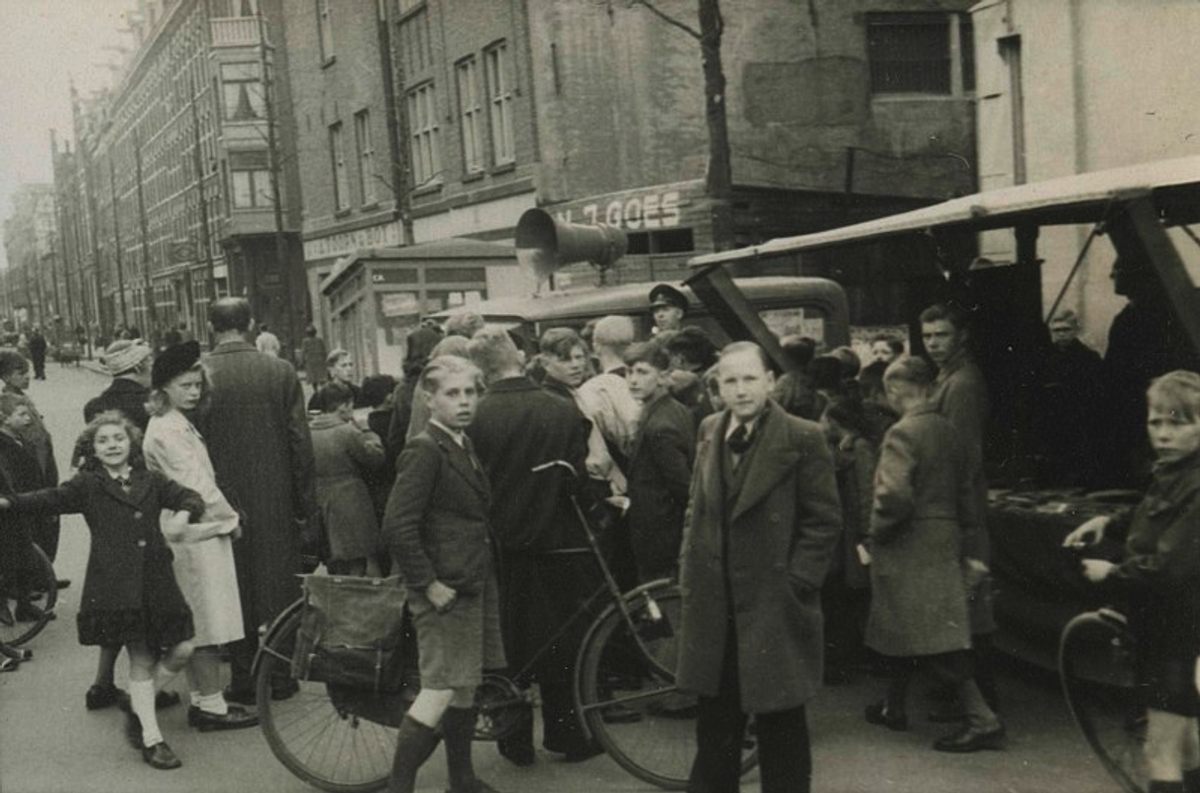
203	564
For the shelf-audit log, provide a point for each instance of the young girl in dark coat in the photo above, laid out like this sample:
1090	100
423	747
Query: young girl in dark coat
130	596
1160	577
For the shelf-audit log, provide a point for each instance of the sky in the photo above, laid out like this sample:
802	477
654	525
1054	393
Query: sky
43	45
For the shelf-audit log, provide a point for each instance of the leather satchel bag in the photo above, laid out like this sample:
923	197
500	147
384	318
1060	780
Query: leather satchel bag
352	632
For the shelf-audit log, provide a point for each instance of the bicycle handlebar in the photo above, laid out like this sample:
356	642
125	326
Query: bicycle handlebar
551	464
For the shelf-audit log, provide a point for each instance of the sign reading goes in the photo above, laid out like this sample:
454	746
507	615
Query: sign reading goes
649	210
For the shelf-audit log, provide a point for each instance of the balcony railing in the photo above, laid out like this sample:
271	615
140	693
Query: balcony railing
235	31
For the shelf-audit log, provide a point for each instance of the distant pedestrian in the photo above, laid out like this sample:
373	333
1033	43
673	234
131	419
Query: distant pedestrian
345	455
660	464
267	342
37	353
261	450
1071	385
130	596
763	521
203	563
923	545
437	525
313	351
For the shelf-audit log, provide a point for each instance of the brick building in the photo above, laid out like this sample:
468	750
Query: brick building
179	163
836	110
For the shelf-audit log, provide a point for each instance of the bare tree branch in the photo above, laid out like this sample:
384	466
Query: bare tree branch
666	18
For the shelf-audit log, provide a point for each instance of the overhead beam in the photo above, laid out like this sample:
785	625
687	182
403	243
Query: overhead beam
734	313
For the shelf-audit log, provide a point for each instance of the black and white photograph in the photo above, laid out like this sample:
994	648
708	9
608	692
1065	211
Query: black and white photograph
588	396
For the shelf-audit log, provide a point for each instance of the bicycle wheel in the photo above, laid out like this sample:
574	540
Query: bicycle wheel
326	744
627	698
44	589
1096	663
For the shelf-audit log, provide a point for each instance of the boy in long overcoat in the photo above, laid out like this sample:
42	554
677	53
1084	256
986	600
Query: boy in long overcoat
924	535
762	522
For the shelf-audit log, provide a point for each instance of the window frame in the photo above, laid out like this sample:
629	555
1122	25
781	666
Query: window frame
366	156
337	159
499	95
243	84
424	143
471	115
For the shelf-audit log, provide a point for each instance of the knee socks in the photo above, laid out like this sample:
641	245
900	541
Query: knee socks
458	730
414	743
141	702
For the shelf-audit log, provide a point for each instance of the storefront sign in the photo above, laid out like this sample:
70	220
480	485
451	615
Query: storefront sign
643	210
384	236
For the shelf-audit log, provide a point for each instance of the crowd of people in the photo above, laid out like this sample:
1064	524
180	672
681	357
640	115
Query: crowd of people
820	522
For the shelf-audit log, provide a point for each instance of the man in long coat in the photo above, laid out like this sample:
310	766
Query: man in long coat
762	523
258	438
960	394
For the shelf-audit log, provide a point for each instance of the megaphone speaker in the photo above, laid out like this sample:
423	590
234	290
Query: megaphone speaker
544	244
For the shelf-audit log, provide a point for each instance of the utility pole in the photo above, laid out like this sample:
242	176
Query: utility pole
198	163
281	252
112	186
63	215
151	311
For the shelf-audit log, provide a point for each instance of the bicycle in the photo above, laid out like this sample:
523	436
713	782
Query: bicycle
43	585
343	740
1097	661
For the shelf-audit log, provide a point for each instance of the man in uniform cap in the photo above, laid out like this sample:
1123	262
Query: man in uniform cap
667	305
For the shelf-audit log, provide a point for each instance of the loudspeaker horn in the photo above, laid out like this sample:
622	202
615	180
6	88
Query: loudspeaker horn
544	244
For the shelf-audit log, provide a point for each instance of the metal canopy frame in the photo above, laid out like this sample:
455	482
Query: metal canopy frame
1139	203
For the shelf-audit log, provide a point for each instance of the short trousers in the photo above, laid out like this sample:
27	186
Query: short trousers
455	646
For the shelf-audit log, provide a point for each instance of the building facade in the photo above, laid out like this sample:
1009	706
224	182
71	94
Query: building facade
836	111
1068	87
339	71
191	168
31	286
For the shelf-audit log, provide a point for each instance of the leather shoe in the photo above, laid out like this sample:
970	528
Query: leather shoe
160	756
241	696
519	754
6	615
102	695
63	583
236	719
972	739
878	714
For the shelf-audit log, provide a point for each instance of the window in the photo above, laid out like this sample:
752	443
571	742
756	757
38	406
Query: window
250	180
235	8
471	110
422	119
500	103
921	53
325	28
241	91
416	43
341	183
366	156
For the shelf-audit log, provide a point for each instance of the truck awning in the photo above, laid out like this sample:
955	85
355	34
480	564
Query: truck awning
1082	198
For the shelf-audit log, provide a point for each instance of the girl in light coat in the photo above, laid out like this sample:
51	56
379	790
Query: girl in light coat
204	563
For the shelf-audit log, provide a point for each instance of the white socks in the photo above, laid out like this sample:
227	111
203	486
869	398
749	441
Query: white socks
211	703
141	701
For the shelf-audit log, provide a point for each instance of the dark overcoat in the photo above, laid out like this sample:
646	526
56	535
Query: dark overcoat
961	396
659	475
923	518
261	450
124	395
436	522
781	511
129	564
345	456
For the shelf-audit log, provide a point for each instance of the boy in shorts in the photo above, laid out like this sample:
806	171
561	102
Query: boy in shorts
436	525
